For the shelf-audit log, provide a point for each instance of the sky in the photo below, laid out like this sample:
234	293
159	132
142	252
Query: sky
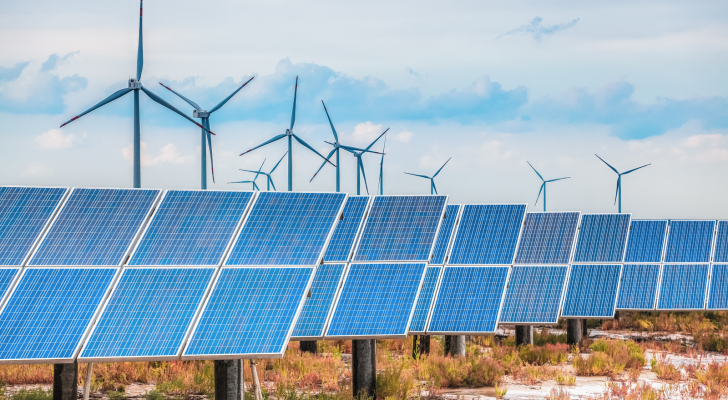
489	85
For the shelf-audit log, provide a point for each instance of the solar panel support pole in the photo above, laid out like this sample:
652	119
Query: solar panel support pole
257	393
87	382
574	331
65	381
455	345
420	345
226	379
524	335
241	379
309	346
364	367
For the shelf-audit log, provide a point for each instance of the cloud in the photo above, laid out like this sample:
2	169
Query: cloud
55	139
404	136
168	154
412	72
12	73
54	61
537	31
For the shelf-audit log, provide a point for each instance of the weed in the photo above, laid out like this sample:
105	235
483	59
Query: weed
559	394
153	395
33	394
563	379
553	354
666	371
500	393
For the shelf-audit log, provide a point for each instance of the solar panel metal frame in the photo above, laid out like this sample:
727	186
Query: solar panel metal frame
573	243
323	248
705	294
432	301
245	356
331	307
714	250
616	296
87	330
48	223
434	241
150	219
359	231
183	343
412	311
127	254
713	240
578	235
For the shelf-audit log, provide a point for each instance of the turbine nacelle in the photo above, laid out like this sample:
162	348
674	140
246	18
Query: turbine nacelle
200	114
135	84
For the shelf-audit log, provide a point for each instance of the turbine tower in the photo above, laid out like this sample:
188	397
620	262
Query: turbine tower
269	180
255	185
543	186
619	181
433	188
381	169
135	85
289	133
205	117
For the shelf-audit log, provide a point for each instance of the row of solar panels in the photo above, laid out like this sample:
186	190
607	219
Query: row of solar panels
500	264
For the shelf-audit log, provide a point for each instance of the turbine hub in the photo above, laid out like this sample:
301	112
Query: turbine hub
289	132
135	84
200	114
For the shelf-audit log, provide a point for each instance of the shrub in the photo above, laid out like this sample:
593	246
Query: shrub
153	395
553	354
666	371
545	337
33	394
397	380
559	394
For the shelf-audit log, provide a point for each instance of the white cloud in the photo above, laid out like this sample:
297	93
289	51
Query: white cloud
366	132
710	140
55	139
494	150
404	136
39	170
168	154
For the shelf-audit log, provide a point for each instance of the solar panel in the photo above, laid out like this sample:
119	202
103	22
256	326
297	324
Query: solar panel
646	241
376	301
24	213
683	287
50	311
547	238
592	291
638	288
191	227
468	300
718	298
602	238
443	237
400	228
7	277
424	301
721	243
487	234
342	242
533	295
318	306
95	227
287	228
250	313
148	315
689	241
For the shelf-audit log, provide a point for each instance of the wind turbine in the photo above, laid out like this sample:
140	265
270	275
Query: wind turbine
255	185
619	181
543	186
381	169
289	133
135	85
433	188
268	175
198	112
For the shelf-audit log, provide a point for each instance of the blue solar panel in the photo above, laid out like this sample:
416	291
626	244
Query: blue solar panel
148	314
721	243
400	228
602	238
342	242
683	287
638	288
718	298
487	234
7	276
469	300
285	228
592	291
250	313
191	227
377	300
316	309
24	213
689	241
443	237
95	227
424	301
49	312
646	241
547	238
534	294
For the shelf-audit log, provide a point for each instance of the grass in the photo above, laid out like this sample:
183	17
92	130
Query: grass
609	357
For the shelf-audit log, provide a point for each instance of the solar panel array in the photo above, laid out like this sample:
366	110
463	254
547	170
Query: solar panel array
487	234
342	242
533	295
592	291
689	241
683	287
602	238
721	243
317	307
547	238
444	237
641	271
424	300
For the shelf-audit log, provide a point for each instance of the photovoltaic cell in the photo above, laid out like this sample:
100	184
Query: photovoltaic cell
148	314
646	241
24	213
377	300
534	294
342	241
316	309
49	312
286	228
191	227
689	241
468	300
721	243
683	287
592	291
718	298
7	276
250	313
424	301
547	238
638	288
443	237
602	238
95	227
400	228
487	234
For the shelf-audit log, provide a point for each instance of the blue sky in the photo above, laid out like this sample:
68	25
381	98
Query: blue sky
492	85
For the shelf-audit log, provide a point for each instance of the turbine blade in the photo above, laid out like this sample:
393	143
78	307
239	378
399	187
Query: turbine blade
279	161
253	171
375	140
261	145
615	171
619	180
336	137
222	103
539	192
209	146
241	182
190	102
171	107
421	176
299	140
258	171
271	183
322	165
632	170
364	175
534	170
140	50
434	186
293	113
105	101
443	166
349	148
554	180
